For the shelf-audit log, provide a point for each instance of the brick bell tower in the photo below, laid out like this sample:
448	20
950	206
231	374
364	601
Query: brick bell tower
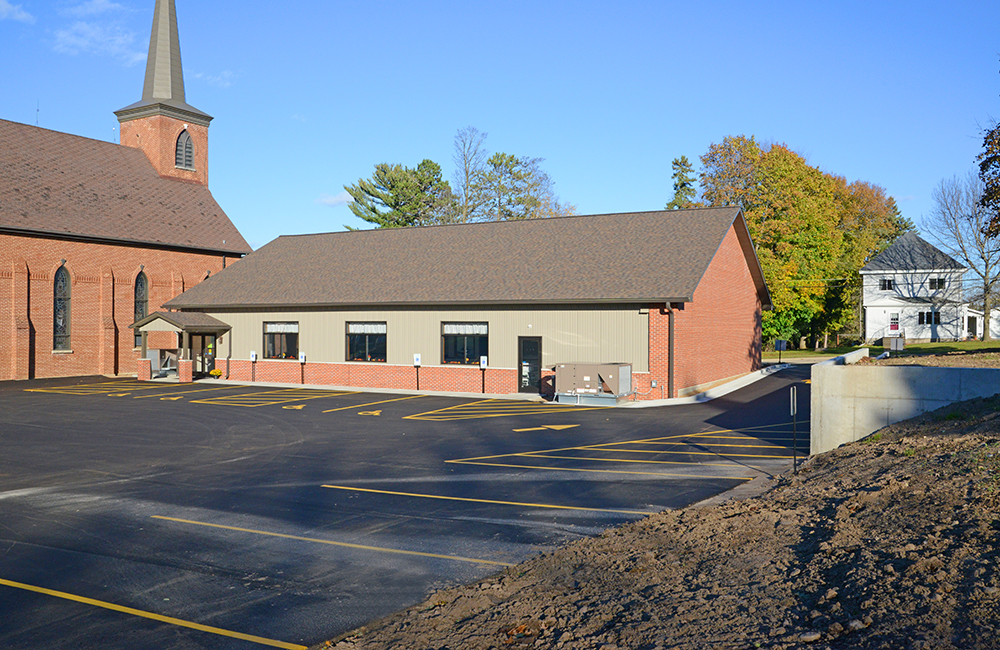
172	133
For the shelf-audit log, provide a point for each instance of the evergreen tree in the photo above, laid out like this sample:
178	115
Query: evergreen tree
684	191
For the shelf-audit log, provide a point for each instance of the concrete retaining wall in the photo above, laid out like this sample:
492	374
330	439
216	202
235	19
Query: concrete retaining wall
848	402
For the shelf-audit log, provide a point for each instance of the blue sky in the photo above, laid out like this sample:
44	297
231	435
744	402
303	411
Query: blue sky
309	96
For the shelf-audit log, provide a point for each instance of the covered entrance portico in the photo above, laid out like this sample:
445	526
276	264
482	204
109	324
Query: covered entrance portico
197	338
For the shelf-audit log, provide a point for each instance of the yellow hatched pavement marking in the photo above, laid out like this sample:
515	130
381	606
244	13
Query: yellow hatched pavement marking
156	617
357	406
496	408
548	468
612	447
271	397
502	503
95	389
362	547
188	392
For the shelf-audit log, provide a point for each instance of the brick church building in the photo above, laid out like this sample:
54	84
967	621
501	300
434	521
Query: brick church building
95	236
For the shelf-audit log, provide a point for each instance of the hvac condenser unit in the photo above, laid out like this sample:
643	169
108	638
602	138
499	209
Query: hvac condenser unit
593	383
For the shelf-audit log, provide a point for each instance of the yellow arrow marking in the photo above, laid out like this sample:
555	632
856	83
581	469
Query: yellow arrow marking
296	407
554	427
369	412
170	399
118	394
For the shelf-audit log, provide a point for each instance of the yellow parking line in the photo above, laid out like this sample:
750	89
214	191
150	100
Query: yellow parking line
357	406
155	617
597	446
362	547
699	444
534	454
606	471
185	392
503	503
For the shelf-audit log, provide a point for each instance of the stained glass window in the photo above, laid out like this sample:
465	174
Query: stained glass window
61	310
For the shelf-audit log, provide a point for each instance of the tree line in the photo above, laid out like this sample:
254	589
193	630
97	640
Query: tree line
488	187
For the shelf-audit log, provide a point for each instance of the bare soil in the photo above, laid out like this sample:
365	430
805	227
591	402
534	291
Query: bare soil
892	542
962	359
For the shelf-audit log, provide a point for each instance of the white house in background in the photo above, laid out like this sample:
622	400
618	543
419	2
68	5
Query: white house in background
913	290
974	323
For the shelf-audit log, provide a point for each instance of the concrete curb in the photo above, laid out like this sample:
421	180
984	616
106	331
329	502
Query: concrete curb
711	393
708	395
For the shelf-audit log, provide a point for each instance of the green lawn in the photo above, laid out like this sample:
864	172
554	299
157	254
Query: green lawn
874	350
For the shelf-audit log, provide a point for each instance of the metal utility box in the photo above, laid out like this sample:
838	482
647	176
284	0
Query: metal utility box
897	344
593	383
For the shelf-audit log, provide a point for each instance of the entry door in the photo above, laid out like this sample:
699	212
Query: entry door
529	361
973	329
203	351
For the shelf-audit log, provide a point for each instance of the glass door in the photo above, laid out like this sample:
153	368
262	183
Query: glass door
529	363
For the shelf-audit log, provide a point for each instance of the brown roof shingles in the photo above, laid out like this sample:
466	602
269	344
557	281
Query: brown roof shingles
65	185
633	257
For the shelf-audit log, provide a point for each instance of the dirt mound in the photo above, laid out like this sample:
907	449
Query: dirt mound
892	542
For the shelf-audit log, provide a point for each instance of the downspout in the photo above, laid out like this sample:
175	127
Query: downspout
670	351
229	353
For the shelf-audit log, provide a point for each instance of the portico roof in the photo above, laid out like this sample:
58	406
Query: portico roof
181	321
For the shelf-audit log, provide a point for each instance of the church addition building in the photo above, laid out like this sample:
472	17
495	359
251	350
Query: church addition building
94	235
489	307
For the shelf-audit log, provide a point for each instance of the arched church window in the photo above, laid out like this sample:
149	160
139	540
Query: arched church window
61	310
184	157
141	303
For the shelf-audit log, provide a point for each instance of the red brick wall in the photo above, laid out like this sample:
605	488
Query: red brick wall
101	304
466	379
717	335
157	137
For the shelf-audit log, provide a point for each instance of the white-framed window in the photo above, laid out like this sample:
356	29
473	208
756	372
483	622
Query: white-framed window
894	321
936	284
885	284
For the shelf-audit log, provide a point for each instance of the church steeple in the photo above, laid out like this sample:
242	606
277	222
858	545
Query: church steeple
172	133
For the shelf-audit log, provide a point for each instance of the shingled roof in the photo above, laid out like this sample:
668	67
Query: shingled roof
62	185
911	253
613	258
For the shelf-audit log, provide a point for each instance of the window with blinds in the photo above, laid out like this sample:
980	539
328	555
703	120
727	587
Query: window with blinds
366	342
464	342
281	340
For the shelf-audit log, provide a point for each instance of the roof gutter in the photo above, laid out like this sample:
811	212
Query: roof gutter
114	241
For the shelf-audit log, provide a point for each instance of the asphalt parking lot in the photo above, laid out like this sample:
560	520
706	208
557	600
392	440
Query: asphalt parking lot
142	515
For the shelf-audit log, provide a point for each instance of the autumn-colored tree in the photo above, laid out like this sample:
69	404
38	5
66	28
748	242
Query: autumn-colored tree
813	231
989	174
684	189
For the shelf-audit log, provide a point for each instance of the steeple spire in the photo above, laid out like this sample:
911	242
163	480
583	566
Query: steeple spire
172	133
163	89
164	76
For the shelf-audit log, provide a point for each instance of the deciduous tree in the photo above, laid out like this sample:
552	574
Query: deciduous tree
812	230
470	164
959	223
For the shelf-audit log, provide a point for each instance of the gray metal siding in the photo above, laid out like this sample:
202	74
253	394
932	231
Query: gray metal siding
571	335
